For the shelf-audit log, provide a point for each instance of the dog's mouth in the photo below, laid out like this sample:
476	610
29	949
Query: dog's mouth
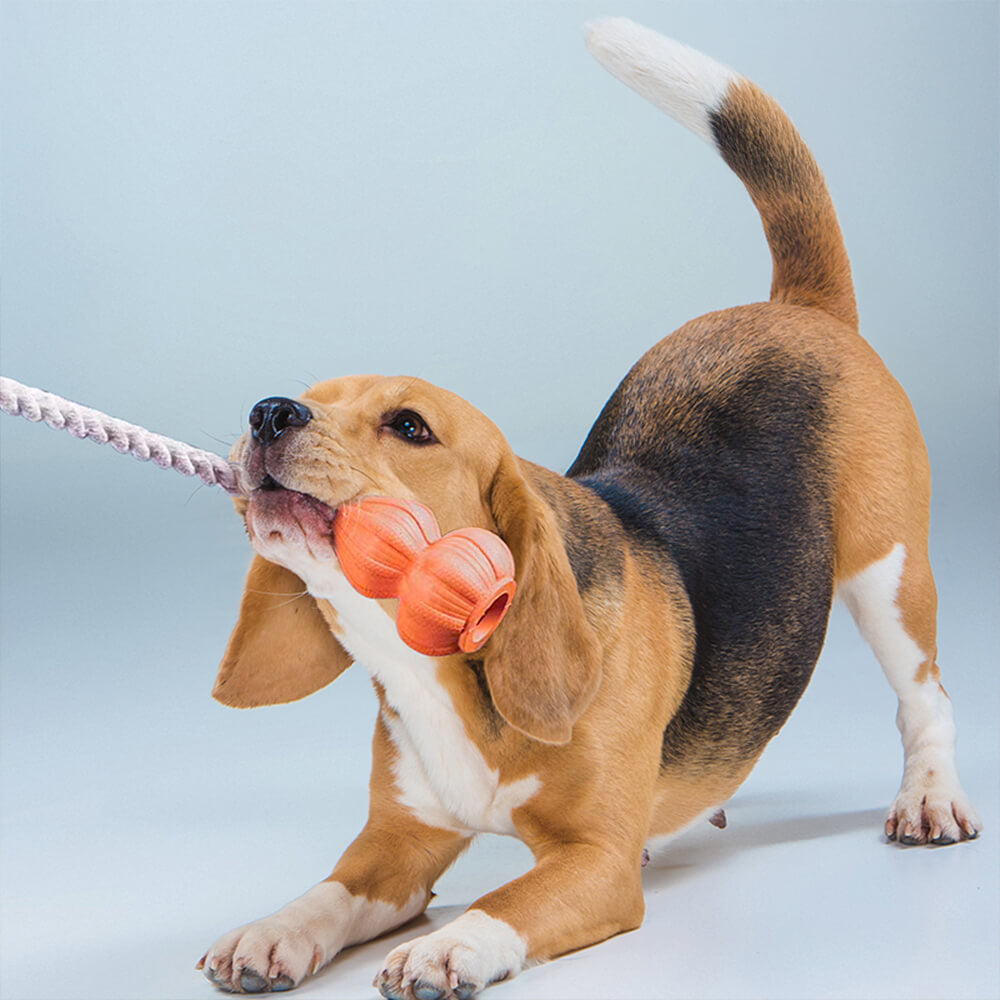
271	491
269	483
277	515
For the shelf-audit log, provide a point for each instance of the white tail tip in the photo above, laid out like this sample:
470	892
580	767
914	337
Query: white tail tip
679	80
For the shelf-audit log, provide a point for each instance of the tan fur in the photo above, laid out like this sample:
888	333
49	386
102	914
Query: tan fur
811	267
683	798
282	648
547	700
885	491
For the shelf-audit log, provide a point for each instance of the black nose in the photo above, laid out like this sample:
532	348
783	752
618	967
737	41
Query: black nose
271	417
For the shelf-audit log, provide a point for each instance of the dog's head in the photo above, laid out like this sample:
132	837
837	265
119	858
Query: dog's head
401	437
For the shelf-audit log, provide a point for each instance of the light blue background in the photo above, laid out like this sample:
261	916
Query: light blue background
206	203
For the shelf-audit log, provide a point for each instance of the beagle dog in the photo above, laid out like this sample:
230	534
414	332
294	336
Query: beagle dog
673	592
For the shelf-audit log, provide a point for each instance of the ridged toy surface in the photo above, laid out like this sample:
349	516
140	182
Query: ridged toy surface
453	591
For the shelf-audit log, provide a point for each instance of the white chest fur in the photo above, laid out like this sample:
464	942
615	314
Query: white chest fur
441	774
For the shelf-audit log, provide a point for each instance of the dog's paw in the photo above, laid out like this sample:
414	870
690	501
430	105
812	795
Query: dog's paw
267	956
935	813
455	962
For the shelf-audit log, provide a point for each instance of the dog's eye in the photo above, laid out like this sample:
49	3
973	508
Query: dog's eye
410	427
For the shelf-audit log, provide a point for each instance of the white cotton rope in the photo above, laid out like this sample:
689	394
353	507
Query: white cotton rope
39	406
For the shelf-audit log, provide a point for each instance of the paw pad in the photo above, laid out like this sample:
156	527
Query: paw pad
425	991
253	982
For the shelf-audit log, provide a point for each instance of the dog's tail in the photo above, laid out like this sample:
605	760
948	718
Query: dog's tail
761	145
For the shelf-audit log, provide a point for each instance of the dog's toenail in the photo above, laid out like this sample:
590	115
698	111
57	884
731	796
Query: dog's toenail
212	975
282	983
465	991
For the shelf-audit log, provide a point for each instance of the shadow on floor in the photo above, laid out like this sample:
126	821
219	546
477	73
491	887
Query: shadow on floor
703	847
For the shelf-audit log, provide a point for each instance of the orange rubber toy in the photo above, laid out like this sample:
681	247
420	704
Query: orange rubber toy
453	591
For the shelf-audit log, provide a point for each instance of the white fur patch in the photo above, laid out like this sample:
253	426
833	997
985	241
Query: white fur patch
931	803
460	786
871	598
338	919
441	774
925	714
679	80
471	952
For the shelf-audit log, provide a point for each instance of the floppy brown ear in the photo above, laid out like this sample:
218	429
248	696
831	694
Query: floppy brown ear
543	665
282	648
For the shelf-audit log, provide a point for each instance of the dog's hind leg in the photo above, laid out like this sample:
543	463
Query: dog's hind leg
894	603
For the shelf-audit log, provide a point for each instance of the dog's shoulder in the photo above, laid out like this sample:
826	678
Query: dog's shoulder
593	536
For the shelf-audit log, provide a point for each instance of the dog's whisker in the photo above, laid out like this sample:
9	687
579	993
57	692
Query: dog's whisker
194	493
278	593
292	598
361	472
225	442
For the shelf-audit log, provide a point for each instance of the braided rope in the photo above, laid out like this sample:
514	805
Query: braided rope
36	405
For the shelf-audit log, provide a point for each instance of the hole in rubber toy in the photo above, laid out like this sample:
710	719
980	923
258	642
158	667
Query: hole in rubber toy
482	626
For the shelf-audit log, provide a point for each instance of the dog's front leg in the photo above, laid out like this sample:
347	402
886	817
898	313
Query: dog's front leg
576	895
383	879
